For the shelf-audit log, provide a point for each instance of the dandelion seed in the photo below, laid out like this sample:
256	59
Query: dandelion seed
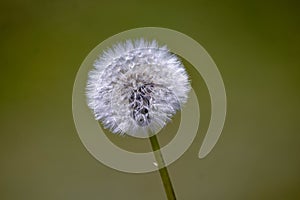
136	87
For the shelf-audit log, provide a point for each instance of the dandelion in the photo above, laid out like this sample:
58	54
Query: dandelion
135	89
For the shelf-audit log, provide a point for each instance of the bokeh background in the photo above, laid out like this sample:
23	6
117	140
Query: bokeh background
255	45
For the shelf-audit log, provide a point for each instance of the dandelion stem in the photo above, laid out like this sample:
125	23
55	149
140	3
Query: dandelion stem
163	171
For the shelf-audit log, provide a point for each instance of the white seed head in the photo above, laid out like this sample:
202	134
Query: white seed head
136	87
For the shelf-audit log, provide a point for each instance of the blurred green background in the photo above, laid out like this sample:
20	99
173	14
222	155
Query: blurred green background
255	45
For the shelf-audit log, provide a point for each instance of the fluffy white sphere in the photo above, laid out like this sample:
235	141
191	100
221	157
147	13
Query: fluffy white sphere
136	87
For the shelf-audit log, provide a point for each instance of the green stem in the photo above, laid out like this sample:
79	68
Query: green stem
163	171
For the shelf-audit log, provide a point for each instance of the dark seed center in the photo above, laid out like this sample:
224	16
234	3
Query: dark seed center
139	102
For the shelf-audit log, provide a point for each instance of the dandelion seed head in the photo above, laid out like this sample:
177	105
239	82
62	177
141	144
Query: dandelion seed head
136	87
